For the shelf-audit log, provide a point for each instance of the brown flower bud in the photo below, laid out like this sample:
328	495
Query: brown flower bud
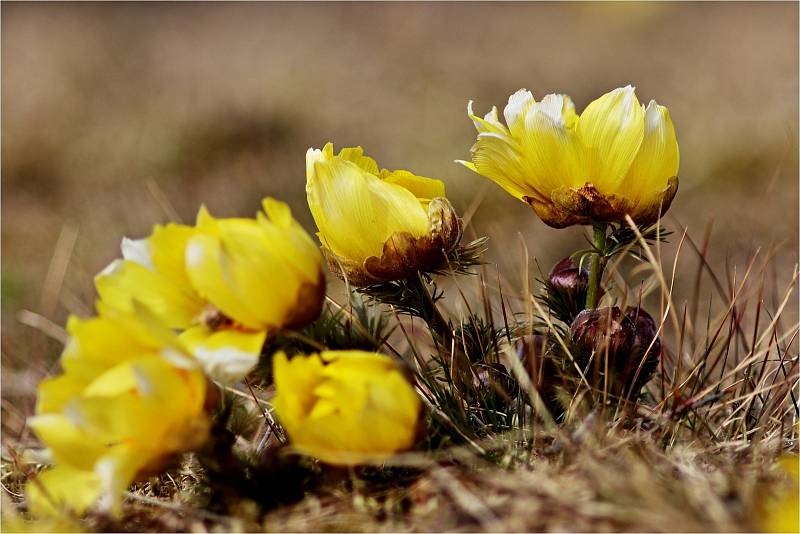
568	278
566	289
603	331
646	346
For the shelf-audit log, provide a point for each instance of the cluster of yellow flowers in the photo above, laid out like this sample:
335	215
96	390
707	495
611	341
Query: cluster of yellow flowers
193	304
130	396
225	284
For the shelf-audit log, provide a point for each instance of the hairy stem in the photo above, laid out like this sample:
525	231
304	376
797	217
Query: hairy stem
597	266
431	314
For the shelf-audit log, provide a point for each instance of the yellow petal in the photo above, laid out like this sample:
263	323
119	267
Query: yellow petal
356	155
357	408
54	393
423	188
516	110
64	486
658	158
226	355
141	402
209	270
499	158
99	343
610	130
295	381
553	157
67	442
284	235
355	211
123	281
490	123
168	251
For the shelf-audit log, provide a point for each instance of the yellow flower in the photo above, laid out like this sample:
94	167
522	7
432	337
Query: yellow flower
779	511
377	225
617	158
129	399
345	407
227	283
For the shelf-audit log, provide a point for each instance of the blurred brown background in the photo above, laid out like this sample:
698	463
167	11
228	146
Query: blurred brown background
114	115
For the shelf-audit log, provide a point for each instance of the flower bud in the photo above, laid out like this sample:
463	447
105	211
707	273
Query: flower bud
568	277
645	330
603	331
566	286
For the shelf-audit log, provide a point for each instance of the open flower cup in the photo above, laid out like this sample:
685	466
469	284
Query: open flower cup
617	158
377	225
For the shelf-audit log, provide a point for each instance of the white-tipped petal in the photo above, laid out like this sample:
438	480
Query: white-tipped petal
658	157
137	250
514	112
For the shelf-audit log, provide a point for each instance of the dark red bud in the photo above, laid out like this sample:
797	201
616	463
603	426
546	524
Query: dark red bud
603	331
567	277
645	330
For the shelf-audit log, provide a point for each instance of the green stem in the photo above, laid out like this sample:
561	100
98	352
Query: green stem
597	266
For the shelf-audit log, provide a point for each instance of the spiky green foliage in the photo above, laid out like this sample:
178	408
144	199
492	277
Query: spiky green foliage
464	258
356	326
415	296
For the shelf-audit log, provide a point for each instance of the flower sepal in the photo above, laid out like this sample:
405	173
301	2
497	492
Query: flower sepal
569	206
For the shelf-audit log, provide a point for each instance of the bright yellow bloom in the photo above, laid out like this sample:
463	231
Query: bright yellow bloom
130	398
377	225
345	407
617	158
779	511
227	283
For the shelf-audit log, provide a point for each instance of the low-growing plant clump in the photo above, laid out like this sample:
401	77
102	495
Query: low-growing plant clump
220	387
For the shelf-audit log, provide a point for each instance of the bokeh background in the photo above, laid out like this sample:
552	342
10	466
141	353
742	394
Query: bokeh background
117	116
